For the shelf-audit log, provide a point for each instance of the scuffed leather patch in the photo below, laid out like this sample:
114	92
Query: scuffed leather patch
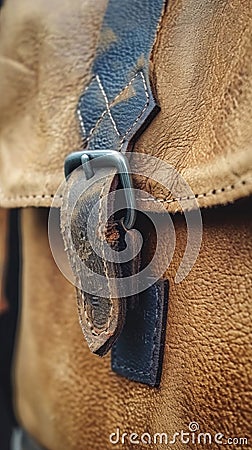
101	309
115	107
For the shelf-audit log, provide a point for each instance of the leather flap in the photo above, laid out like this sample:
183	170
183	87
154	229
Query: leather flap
201	71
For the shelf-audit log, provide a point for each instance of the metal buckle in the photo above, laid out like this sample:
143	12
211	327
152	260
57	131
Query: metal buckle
106	158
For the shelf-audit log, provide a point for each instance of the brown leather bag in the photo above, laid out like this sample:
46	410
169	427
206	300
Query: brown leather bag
65	397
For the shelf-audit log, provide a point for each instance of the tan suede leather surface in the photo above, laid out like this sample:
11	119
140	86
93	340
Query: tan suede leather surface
46	49
70	399
201	72
67	398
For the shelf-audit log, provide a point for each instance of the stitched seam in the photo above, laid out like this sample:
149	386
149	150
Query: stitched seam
108	106
80	116
79	108
51	196
81	121
96	125
143	110
81	301
87	320
89	323
149	374
216	191
197	196
107	110
68	243
118	95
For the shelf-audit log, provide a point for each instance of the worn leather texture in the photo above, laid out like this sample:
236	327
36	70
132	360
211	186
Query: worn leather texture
200	69
67	398
115	105
138	352
101	309
46	51
118	99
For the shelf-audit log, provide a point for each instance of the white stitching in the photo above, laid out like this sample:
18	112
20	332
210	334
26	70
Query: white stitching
81	122
80	116
197	196
79	108
107	104
214	191
109	320
89	323
96	125
51	196
143	110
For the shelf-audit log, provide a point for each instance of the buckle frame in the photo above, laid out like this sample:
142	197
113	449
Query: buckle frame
106	158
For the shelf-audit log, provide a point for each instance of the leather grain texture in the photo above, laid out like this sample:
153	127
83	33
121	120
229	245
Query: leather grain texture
115	105
207	364
118	99
202	72
200	68
101	308
138	352
46	53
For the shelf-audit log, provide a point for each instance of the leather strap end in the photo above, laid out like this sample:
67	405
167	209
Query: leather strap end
138	352
100	336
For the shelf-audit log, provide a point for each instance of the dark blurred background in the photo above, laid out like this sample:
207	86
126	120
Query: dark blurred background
8	321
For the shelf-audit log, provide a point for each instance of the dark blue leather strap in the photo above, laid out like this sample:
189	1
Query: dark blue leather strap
118	100
138	352
114	109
